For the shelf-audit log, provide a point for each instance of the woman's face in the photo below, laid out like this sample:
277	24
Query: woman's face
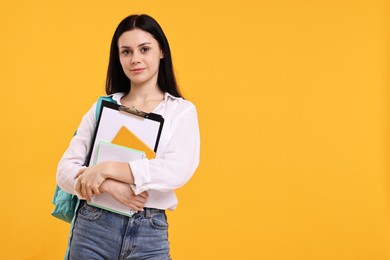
139	55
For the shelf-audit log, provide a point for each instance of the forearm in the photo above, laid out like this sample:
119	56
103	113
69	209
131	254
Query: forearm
119	171
73	158
124	194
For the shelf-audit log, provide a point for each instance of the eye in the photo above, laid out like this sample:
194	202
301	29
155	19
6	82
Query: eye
145	49
125	52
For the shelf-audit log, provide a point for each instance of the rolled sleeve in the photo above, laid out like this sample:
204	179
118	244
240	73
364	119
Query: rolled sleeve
141	174
74	157
173	167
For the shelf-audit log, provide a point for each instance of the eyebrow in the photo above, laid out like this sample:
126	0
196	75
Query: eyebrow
140	45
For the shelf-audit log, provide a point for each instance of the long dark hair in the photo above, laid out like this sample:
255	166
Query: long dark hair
117	81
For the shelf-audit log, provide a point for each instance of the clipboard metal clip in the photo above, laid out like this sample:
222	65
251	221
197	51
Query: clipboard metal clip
133	111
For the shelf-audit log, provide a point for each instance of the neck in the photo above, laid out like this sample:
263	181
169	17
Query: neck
144	93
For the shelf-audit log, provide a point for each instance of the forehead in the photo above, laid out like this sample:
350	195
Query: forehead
135	37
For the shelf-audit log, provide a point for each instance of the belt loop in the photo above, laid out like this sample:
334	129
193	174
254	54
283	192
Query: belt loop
148	212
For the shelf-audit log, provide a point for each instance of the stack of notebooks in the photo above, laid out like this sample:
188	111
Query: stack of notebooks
125	146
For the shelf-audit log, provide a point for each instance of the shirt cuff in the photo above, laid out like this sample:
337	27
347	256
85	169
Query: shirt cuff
141	175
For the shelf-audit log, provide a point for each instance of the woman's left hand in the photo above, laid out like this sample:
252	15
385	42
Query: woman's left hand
89	180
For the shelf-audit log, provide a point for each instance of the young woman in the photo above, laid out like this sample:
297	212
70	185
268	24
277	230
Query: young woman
140	75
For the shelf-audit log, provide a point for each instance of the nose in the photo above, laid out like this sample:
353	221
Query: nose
135	58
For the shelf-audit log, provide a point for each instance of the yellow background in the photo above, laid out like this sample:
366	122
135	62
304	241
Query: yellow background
293	107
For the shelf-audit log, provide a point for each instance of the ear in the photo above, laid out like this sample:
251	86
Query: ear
161	55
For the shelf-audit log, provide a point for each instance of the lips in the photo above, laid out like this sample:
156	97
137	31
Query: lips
137	70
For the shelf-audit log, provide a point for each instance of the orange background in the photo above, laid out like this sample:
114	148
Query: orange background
292	99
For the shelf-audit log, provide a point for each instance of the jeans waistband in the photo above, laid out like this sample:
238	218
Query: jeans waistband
149	212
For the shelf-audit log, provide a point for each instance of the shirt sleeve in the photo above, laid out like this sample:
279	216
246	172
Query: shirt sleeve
176	165
74	157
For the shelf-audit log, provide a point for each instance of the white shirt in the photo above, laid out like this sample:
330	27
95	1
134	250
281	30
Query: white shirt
176	159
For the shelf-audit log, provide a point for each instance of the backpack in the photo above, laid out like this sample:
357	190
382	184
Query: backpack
65	204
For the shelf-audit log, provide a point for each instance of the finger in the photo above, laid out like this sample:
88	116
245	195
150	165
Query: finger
144	195
140	199
134	204
80	172
83	191
96	190
135	207
89	193
140	203
77	187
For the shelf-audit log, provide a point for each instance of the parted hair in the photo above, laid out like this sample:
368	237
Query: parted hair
117	81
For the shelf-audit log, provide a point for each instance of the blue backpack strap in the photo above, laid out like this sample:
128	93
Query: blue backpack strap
71	200
99	104
66	204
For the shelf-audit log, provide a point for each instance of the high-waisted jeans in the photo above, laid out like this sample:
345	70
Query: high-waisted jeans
101	234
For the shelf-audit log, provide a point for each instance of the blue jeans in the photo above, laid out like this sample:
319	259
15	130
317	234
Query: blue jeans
101	234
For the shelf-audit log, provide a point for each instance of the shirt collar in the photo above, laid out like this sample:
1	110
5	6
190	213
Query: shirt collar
170	96
118	95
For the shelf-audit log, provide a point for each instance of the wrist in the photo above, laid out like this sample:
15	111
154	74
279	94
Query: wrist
119	171
105	186
106	169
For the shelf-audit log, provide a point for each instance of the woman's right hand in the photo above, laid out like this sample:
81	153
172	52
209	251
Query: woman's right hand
123	193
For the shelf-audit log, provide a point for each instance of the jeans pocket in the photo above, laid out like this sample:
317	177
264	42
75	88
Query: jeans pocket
159	221
89	212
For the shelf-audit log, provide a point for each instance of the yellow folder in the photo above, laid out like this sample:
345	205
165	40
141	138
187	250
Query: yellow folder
127	138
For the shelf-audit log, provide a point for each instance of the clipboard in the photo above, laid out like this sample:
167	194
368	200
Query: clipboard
146	126
112	118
